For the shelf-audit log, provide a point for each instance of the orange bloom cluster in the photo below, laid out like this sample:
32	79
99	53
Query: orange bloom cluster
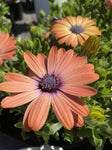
57	81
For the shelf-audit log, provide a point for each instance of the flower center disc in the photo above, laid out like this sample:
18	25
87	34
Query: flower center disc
49	83
77	29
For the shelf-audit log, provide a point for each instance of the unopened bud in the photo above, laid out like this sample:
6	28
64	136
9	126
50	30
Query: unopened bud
90	46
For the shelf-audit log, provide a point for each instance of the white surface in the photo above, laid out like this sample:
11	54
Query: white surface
43	147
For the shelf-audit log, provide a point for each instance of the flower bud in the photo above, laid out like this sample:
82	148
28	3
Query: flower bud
36	32
28	44
96	115
90	46
42	14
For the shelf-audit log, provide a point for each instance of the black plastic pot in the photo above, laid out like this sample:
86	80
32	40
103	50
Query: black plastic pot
9	143
16	10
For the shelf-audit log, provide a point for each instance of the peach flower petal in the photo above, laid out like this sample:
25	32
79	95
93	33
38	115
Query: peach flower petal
79	20
34	64
64	61
8	55
62	111
18	77
79	90
14	86
78	120
74	42
75	103
80	79
19	99
63	22
39	112
71	20
52	60
60	54
43	60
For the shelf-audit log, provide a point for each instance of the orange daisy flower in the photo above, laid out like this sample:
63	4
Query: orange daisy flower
56	81
74	30
7	46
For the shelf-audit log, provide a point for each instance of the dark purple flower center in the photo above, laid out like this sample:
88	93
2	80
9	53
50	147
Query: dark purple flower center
77	29
49	83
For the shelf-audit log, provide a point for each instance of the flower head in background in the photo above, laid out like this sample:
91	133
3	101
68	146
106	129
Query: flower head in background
109	4
74	30
57	81
7	46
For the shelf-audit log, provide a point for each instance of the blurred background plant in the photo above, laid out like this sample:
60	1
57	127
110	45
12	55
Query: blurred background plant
98	125
5	23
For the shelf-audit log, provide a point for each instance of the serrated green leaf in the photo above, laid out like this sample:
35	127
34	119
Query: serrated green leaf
68	135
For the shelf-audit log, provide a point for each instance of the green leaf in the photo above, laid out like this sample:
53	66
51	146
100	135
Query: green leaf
19	125
96	138
84	132
54	127
68	135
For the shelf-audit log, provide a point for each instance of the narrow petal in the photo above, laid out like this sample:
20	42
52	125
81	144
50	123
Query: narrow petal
79	20
64	22
8	55
59	27
80	39
19	99
71	20
85	36
26	116
3	39
74	43
79	90
75	103
43	61
80	79
60	54
64	61
87	23
32	75
63	39
52	60
34	64
93	29
14	86
75	62
78	120
63	34
70	39
39	112
84	68
18	77
62	111
84	21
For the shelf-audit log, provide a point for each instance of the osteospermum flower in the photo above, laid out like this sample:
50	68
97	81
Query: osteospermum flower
74	30
7	46
56	81
109	4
